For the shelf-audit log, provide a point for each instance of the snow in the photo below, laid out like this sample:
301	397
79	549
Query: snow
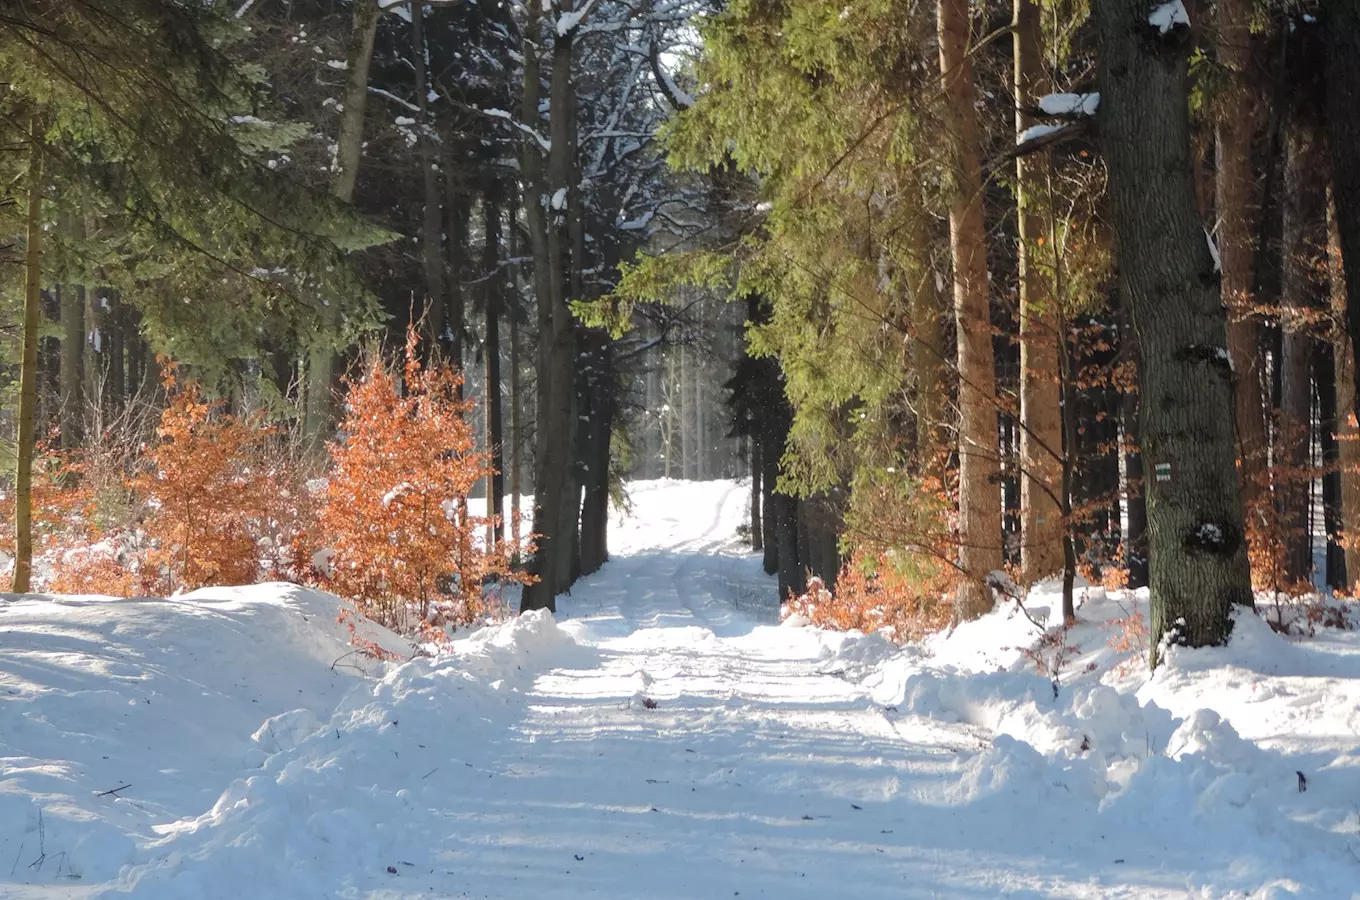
1034	132
559	199
1070	104
1213	251
1169	15
663	736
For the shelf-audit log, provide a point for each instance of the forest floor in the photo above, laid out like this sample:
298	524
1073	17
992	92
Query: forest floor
664	738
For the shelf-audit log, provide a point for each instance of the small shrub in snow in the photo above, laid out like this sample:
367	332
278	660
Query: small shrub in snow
405	550
211	496
899	594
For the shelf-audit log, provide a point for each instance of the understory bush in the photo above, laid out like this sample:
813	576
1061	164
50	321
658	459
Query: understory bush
209	497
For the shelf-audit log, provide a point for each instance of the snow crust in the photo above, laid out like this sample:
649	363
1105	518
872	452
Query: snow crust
663	736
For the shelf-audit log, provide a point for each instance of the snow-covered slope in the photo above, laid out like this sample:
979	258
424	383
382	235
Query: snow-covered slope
661	738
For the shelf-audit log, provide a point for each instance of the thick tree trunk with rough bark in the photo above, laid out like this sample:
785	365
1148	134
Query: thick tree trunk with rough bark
1041	468
28	369
1167	276
979	458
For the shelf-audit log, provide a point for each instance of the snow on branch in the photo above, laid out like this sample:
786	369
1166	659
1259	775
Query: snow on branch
1069	104
570	21
388	95
1040	137
679	99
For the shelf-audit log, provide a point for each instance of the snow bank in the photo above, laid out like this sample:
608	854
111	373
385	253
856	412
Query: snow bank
355	793
1258	739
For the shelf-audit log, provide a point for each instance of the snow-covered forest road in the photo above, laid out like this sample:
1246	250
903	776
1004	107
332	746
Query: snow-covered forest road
661	739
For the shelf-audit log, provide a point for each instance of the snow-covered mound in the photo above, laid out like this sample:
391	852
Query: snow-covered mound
119	715
662	737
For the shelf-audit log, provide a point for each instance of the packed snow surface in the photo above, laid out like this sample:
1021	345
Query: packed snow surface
662	737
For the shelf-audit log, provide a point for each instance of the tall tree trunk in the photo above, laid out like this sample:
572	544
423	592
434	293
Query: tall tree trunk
1293	489
28	371
116	389
516	398
1195	524
321	359
72	377
1041	436
1324	376
598	431
492	283
1341	29
979	462
452	338
1236	209
1135	495
757	528
136	352
791	574
96	356
556	498
431	221
927	350
1347	432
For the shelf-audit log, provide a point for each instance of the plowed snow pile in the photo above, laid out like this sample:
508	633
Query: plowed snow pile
661	737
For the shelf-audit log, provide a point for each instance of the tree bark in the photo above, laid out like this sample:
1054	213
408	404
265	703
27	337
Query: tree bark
979	459
1236	232
358	58
495	438
1341	29
1135	502
431	249
1167	275
757	528
1324	376
72	418
1293	494
1041	441
1347	432
116	389
28	370
790	568
556	497
926	304
322	359
516	400
597	433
